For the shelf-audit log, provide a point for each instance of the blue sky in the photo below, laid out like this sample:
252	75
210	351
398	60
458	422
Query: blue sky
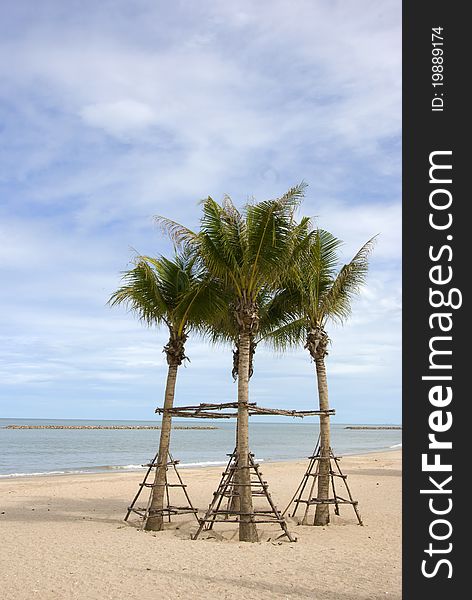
116	111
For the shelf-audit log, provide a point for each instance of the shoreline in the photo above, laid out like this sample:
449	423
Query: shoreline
120	470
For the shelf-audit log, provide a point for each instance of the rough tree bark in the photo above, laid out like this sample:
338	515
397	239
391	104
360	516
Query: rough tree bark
175	356
235	504
317	343
322	510
246	315
247	529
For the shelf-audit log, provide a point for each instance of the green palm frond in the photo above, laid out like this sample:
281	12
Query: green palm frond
219	240
201	306
319	268
248	250
317	291
271	238
336	302
175	291
282	319
288	335
222	328
292	197
143	294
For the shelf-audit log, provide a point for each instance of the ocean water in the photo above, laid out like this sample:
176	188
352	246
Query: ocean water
46	451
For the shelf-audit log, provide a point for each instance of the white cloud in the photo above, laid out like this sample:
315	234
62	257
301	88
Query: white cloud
120	117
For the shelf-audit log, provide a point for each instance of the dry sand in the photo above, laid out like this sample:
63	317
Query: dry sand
63	538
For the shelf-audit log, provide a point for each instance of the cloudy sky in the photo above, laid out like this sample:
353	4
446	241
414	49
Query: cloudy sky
114	111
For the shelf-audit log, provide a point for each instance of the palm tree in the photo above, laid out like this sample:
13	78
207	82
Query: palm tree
176	294
223	329
320	294
247	252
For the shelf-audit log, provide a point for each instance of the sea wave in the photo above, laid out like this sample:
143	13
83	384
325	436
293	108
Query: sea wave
205	463
396	446
125	467
142	467
104	468
3	476
208	463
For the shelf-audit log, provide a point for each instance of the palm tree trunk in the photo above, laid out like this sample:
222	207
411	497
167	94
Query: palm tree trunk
155	522
247	528
322	510
234	503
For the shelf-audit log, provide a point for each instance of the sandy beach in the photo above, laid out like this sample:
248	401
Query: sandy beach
64	537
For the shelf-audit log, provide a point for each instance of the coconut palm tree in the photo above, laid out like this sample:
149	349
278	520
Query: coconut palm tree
174	293
223	329
247	252
321	293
